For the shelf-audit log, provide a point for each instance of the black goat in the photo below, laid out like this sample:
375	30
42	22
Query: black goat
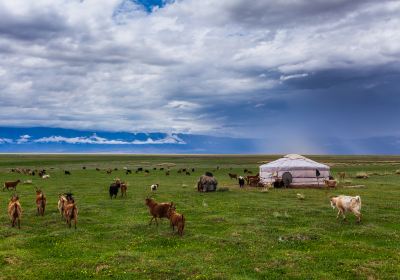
113	190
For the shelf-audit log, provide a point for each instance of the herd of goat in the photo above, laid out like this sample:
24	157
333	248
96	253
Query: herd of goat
69	210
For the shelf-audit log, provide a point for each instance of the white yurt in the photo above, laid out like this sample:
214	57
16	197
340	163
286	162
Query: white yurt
294	171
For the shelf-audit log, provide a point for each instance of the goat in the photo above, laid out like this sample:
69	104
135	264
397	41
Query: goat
124	187
11	185
193	169
187	173
139	169
42	172
342	175
83	167
345	204
241	181
46	176
232	176
157	210
71	212
40	202
176	219
97	169
113	190
62	201
15	211
154	187
66	172
109	171
330	183
128	171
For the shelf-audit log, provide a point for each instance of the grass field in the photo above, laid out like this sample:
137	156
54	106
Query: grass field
235	234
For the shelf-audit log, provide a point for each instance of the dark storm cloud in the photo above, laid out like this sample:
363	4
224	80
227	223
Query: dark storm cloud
213	67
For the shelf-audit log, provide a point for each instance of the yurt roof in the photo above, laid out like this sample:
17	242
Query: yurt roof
293	162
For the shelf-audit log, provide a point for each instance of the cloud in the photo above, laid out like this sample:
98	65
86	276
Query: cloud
94	139
6	141
116	66
23	139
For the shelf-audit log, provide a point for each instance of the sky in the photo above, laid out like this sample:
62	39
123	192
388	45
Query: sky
306	76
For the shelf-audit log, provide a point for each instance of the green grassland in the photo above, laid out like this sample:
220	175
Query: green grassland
235	234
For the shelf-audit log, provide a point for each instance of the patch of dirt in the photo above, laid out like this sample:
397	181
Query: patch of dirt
11	260
101	267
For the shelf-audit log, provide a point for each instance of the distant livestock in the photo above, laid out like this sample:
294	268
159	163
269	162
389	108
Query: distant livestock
232	176
241	181
347	204
66	172
11	185
330	183
46	176
154	187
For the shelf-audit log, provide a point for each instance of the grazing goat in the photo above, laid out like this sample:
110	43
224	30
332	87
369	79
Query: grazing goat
157	210
42	173
109	171
342	175
71	212
176	220
46	176
154	187
139	169
40	202
187	173
232	176
66	172
15	211
345	204
193	169
114	187
128	171
330	183
162	168
11	185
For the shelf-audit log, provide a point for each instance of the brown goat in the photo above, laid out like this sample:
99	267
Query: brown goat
232	176
71	212
157	210
176	219
15	211
62	201
40	202
342	175
124	187
11	185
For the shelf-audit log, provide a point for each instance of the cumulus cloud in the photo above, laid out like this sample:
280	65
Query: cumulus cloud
23	139
94	139
6	141
113	65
